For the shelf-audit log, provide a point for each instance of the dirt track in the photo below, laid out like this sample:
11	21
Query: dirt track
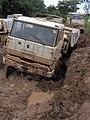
70	101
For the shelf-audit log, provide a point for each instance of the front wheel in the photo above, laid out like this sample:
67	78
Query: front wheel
9	71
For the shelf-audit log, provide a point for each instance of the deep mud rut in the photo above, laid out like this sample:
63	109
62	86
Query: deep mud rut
43	99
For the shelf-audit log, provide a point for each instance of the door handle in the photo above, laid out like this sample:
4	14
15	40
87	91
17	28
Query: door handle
19	43
27	46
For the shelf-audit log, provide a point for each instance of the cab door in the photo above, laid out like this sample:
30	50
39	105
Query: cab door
19	44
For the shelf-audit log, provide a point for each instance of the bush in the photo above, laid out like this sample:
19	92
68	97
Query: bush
88	27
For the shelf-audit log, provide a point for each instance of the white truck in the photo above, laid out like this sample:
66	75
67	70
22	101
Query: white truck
77	20
36	46
3	27
9	20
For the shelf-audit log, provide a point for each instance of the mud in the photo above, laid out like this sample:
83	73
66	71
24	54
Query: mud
69	100
38	97
2	53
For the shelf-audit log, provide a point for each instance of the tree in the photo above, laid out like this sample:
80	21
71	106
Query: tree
53	10
26	7
87	16
36	6
86	6
66	6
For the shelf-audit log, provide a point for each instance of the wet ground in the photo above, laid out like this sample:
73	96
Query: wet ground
43	99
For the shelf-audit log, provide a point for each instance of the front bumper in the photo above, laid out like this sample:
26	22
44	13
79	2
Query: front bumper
35	68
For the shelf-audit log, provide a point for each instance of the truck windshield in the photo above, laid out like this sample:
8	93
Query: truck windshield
77	17
35	33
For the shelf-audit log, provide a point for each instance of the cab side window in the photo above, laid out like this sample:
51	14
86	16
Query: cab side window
60	36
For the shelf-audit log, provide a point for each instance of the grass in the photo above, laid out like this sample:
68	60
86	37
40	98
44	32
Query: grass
88	27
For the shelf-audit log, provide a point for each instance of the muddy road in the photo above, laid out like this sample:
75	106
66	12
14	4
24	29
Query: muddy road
43	99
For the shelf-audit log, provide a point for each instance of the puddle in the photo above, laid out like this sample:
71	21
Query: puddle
38	97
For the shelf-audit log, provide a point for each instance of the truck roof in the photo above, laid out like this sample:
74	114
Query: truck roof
76	13
40	22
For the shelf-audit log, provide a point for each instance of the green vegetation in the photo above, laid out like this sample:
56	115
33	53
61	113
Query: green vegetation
87	17
31	7
67	6
25	7
88	27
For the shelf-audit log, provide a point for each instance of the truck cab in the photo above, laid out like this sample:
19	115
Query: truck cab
77	20
35	46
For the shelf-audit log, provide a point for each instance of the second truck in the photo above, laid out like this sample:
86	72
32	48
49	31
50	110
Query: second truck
77	20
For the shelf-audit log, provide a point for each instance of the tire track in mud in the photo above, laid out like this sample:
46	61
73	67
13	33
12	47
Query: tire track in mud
74	95
69	100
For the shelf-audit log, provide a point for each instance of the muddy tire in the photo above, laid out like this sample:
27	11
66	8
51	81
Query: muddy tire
9	71
61	70
82	31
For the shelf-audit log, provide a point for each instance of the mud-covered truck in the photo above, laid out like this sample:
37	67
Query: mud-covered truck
3	27
76	20
3	32
9	20
36	46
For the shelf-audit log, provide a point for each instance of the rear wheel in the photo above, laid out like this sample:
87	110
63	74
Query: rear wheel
65	47
82	31
61	70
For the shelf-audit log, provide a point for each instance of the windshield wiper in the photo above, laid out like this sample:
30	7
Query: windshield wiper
40	40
